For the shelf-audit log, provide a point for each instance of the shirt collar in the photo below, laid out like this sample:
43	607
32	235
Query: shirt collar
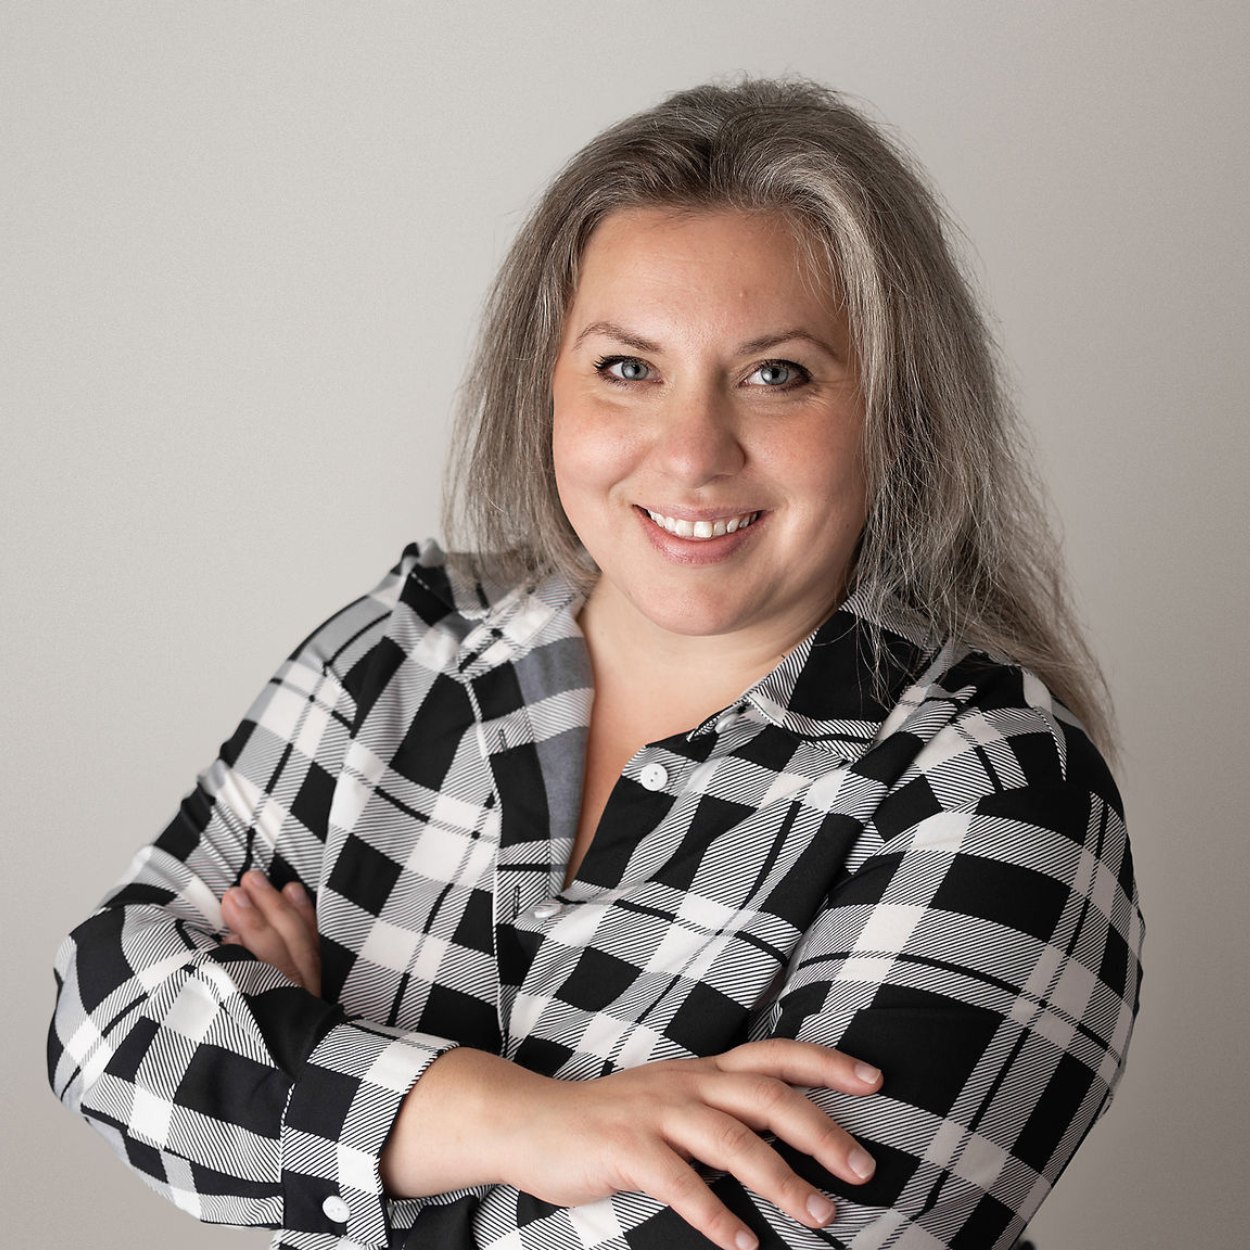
834	689
839	684
508	611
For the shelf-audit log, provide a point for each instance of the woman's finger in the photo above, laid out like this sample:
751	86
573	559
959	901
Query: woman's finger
767	1100
310	947
801	1063
725	1142
769	1105
256	933
303	904
292	924
671	1180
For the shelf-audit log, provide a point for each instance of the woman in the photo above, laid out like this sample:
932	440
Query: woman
728	833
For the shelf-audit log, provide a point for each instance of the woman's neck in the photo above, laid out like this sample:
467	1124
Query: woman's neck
679	679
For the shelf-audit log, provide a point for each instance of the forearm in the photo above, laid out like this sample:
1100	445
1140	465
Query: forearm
454	1127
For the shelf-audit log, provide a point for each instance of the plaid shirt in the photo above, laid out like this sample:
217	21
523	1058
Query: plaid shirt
939	884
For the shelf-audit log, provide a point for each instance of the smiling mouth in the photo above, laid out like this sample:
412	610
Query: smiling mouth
700	531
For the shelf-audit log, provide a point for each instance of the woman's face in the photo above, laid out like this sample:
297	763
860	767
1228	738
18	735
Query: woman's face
708	426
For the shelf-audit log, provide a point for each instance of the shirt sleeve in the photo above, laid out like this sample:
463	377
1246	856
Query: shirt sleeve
984	953
231	1090
986	959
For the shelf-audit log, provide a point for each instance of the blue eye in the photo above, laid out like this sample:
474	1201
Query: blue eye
781	374
623	369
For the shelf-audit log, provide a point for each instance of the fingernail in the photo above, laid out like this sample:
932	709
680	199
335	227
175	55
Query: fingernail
820	1207
294	889
240	897
861	1163
744	1241
867	1073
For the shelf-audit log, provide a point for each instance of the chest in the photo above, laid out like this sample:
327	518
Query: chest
447	904
610	745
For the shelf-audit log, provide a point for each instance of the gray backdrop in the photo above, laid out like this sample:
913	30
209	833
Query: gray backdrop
244	247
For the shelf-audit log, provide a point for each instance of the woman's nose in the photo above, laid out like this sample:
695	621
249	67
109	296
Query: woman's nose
697	439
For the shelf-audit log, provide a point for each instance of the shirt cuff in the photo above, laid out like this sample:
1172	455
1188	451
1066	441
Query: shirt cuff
338	1117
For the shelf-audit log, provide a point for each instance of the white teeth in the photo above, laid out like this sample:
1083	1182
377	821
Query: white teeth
702	529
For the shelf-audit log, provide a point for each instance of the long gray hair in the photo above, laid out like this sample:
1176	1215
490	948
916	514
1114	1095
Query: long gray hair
956	529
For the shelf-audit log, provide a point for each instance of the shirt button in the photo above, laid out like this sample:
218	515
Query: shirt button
544	911
654	777
335	1209
728	721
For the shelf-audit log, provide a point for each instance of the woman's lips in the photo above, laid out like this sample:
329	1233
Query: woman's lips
702	544
704	528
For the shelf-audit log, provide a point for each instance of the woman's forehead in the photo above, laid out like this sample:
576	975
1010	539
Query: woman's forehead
658	257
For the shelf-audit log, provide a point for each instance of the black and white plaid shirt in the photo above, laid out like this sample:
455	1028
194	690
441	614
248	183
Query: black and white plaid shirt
940	885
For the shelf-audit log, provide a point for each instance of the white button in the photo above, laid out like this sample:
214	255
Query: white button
335	1209
544	911
654	776
728	721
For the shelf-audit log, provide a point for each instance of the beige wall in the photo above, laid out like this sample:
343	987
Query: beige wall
243	248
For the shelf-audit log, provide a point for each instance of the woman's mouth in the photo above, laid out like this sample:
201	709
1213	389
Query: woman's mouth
702	530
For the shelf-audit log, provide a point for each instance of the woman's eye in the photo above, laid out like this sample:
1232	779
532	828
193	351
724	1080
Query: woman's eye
780	374
623	369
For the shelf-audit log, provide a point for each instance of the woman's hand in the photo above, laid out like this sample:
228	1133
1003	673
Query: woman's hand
636	1130
573	1142
279	927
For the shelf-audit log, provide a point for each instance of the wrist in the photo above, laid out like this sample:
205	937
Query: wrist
456	1127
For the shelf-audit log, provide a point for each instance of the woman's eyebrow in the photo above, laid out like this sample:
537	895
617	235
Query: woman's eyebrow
761	344
612	330
766	341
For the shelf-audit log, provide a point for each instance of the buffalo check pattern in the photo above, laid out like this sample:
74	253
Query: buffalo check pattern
939	883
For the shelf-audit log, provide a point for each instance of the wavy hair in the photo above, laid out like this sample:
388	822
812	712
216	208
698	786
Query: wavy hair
957	529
